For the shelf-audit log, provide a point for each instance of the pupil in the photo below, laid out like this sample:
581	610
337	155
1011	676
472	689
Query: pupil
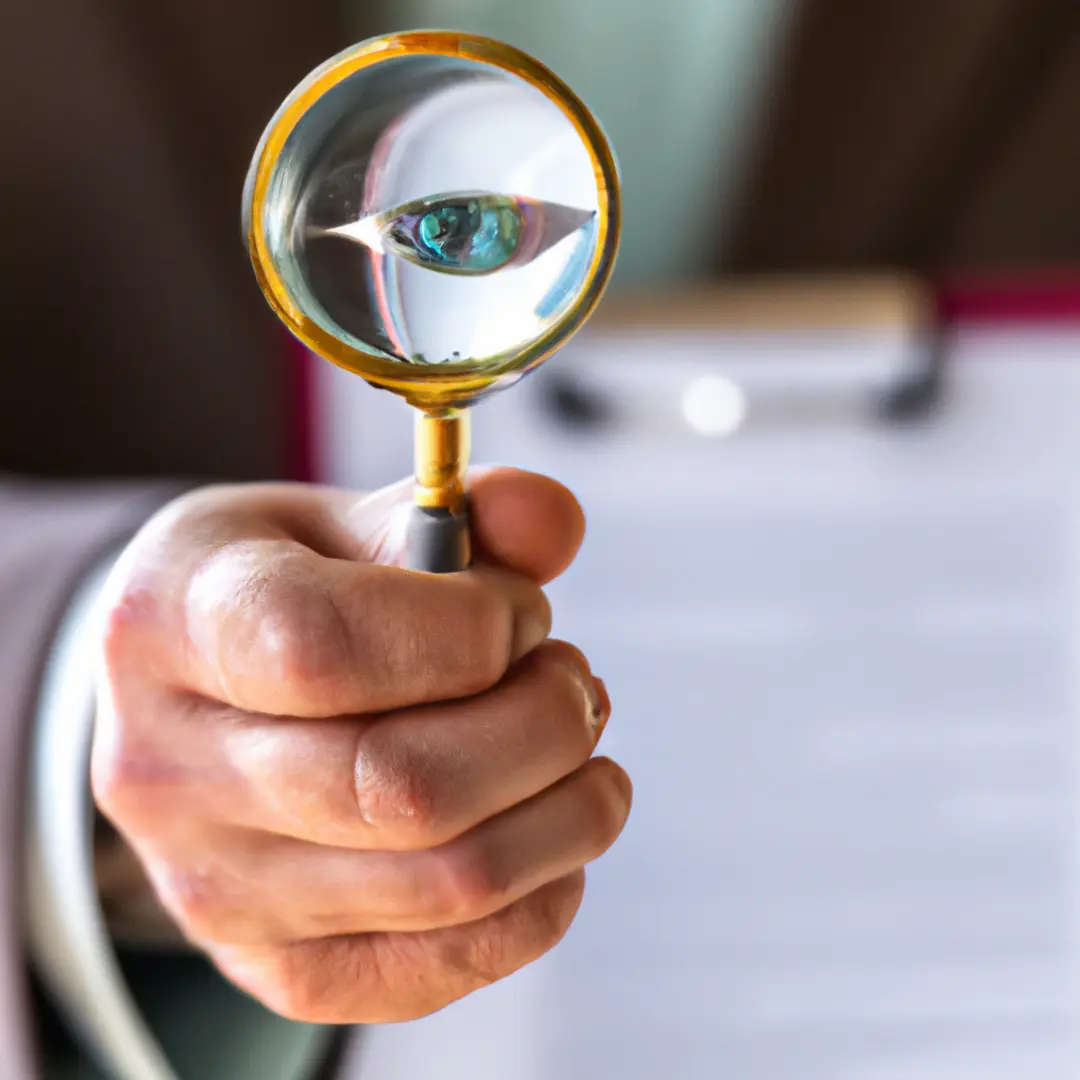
449	230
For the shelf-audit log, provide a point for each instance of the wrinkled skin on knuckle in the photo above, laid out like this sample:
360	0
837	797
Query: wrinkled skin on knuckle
557	659
134	624
483	958
137	592
379	978
388	978
130	773
395	789
318	982
204	903
461	882
408	977
558	674
128	604
300	631
397	807
133	782
497	946
148	585
219	897
260	610
295	772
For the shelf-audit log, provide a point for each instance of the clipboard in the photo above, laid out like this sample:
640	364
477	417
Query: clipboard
844	657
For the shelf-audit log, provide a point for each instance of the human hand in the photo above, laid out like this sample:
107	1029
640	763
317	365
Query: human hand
364	792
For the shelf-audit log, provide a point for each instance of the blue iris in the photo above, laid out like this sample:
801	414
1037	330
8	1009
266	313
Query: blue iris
474	235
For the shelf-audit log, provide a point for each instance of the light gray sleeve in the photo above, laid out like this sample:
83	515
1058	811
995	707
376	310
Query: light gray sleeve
67	935
166	1026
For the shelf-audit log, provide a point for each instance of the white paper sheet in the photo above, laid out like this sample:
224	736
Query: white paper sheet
845	661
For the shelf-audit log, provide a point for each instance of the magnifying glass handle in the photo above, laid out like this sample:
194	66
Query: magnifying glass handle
437	538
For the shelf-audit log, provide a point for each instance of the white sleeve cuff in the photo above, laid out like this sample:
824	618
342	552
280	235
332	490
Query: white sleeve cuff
67	937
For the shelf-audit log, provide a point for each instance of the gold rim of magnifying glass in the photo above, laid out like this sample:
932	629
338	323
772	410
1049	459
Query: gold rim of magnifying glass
442	384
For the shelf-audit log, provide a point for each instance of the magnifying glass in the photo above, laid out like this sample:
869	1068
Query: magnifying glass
437	213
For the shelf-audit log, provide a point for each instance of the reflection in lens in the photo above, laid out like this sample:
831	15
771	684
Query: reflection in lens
468	233
430	210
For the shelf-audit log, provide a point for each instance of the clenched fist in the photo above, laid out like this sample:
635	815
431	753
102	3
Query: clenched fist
363	791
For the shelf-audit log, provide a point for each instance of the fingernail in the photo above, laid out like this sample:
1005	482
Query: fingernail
601	708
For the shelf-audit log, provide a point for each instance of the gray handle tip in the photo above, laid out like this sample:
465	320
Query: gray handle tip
437	541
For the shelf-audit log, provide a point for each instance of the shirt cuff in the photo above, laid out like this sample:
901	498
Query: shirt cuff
67	933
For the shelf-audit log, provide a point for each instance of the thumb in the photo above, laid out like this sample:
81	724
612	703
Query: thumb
527	522
524	521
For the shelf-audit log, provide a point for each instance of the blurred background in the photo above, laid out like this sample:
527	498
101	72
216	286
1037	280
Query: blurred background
825	427
768	135
678	89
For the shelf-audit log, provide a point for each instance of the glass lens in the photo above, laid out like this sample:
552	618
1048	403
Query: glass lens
434	210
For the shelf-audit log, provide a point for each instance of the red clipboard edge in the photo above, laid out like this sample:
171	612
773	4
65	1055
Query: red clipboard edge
1044	297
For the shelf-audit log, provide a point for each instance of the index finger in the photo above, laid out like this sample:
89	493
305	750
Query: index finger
276	628
255	596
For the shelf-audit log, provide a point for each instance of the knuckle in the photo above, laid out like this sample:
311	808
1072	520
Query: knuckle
394	789
259	613
129	603
464	882
471	957
130	778
134	592
562	674
299	985
490	957
300	629
514	937
200	901
274	609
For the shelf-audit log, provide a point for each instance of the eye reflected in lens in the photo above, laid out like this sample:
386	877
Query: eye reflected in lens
469	233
